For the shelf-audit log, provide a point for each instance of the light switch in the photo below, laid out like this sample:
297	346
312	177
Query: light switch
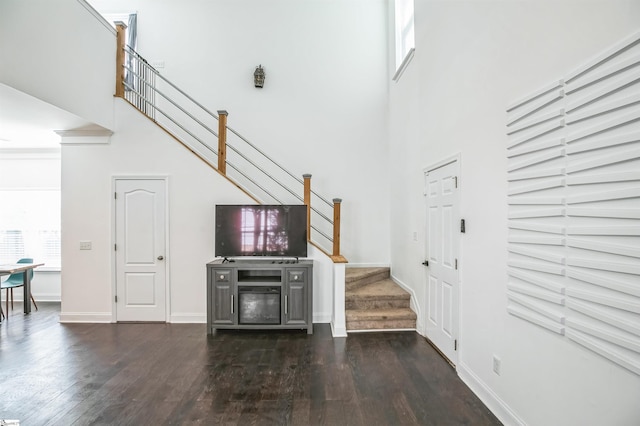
85	245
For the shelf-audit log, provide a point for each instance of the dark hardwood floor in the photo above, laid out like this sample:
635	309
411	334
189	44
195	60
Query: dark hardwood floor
148	374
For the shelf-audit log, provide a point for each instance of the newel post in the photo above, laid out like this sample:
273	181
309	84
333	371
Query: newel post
120	42
336	226
307	202
222	142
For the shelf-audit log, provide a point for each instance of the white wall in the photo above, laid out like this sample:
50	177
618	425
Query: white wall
325	92
326	73
324	104
58	53
472	59
139	148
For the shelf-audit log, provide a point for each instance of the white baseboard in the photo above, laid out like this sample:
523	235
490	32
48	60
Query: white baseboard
187	318
413	302
338	331
381	330
497	406
86	317
193	318
180	318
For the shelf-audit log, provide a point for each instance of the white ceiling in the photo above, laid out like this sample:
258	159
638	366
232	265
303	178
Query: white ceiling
26	121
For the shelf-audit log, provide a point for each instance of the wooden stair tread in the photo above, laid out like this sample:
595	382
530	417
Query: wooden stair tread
359	277
385	289
381	325
355	274
381	314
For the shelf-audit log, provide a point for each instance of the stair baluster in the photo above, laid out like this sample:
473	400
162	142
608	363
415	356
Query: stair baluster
222	142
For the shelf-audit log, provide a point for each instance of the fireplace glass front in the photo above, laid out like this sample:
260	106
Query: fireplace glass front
259	305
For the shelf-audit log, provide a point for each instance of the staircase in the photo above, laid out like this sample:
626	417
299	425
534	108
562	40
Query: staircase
375	302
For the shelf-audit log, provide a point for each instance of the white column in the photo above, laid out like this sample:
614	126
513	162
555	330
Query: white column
338	323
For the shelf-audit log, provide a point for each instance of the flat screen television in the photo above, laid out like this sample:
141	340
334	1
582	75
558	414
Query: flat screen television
261	230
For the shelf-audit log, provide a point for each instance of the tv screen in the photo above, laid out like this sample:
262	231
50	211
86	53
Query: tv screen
261	230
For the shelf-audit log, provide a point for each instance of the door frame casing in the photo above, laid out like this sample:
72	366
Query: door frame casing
167	255
455	158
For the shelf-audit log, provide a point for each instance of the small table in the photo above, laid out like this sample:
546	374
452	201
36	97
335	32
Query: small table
21	267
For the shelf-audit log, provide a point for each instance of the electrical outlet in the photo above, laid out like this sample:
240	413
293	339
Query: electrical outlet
496	365
415	236
85	245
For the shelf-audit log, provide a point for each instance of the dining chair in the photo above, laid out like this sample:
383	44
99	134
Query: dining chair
17	280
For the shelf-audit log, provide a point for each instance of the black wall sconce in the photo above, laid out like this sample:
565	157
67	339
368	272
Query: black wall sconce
258	77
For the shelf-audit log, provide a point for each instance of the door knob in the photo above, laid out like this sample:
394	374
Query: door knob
425	263
160	257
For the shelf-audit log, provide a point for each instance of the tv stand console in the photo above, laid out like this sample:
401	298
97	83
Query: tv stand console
259	294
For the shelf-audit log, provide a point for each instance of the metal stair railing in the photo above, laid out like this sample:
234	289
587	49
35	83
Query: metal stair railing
247	166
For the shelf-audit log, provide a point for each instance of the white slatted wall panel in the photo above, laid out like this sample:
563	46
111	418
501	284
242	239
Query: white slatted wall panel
573	151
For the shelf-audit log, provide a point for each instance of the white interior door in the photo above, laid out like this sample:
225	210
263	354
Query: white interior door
443	227
140	250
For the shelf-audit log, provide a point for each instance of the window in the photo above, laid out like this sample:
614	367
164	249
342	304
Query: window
131	21
30	226
405	38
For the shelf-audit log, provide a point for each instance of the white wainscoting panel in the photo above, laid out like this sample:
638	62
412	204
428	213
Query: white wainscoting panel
573	151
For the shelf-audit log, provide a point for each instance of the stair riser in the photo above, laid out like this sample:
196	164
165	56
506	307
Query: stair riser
379	276
377	303
380	324
382	315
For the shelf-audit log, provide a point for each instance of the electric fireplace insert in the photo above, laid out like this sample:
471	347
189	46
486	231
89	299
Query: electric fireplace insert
258	304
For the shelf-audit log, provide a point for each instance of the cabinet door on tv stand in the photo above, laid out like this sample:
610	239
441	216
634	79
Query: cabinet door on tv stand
295	309
223	297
